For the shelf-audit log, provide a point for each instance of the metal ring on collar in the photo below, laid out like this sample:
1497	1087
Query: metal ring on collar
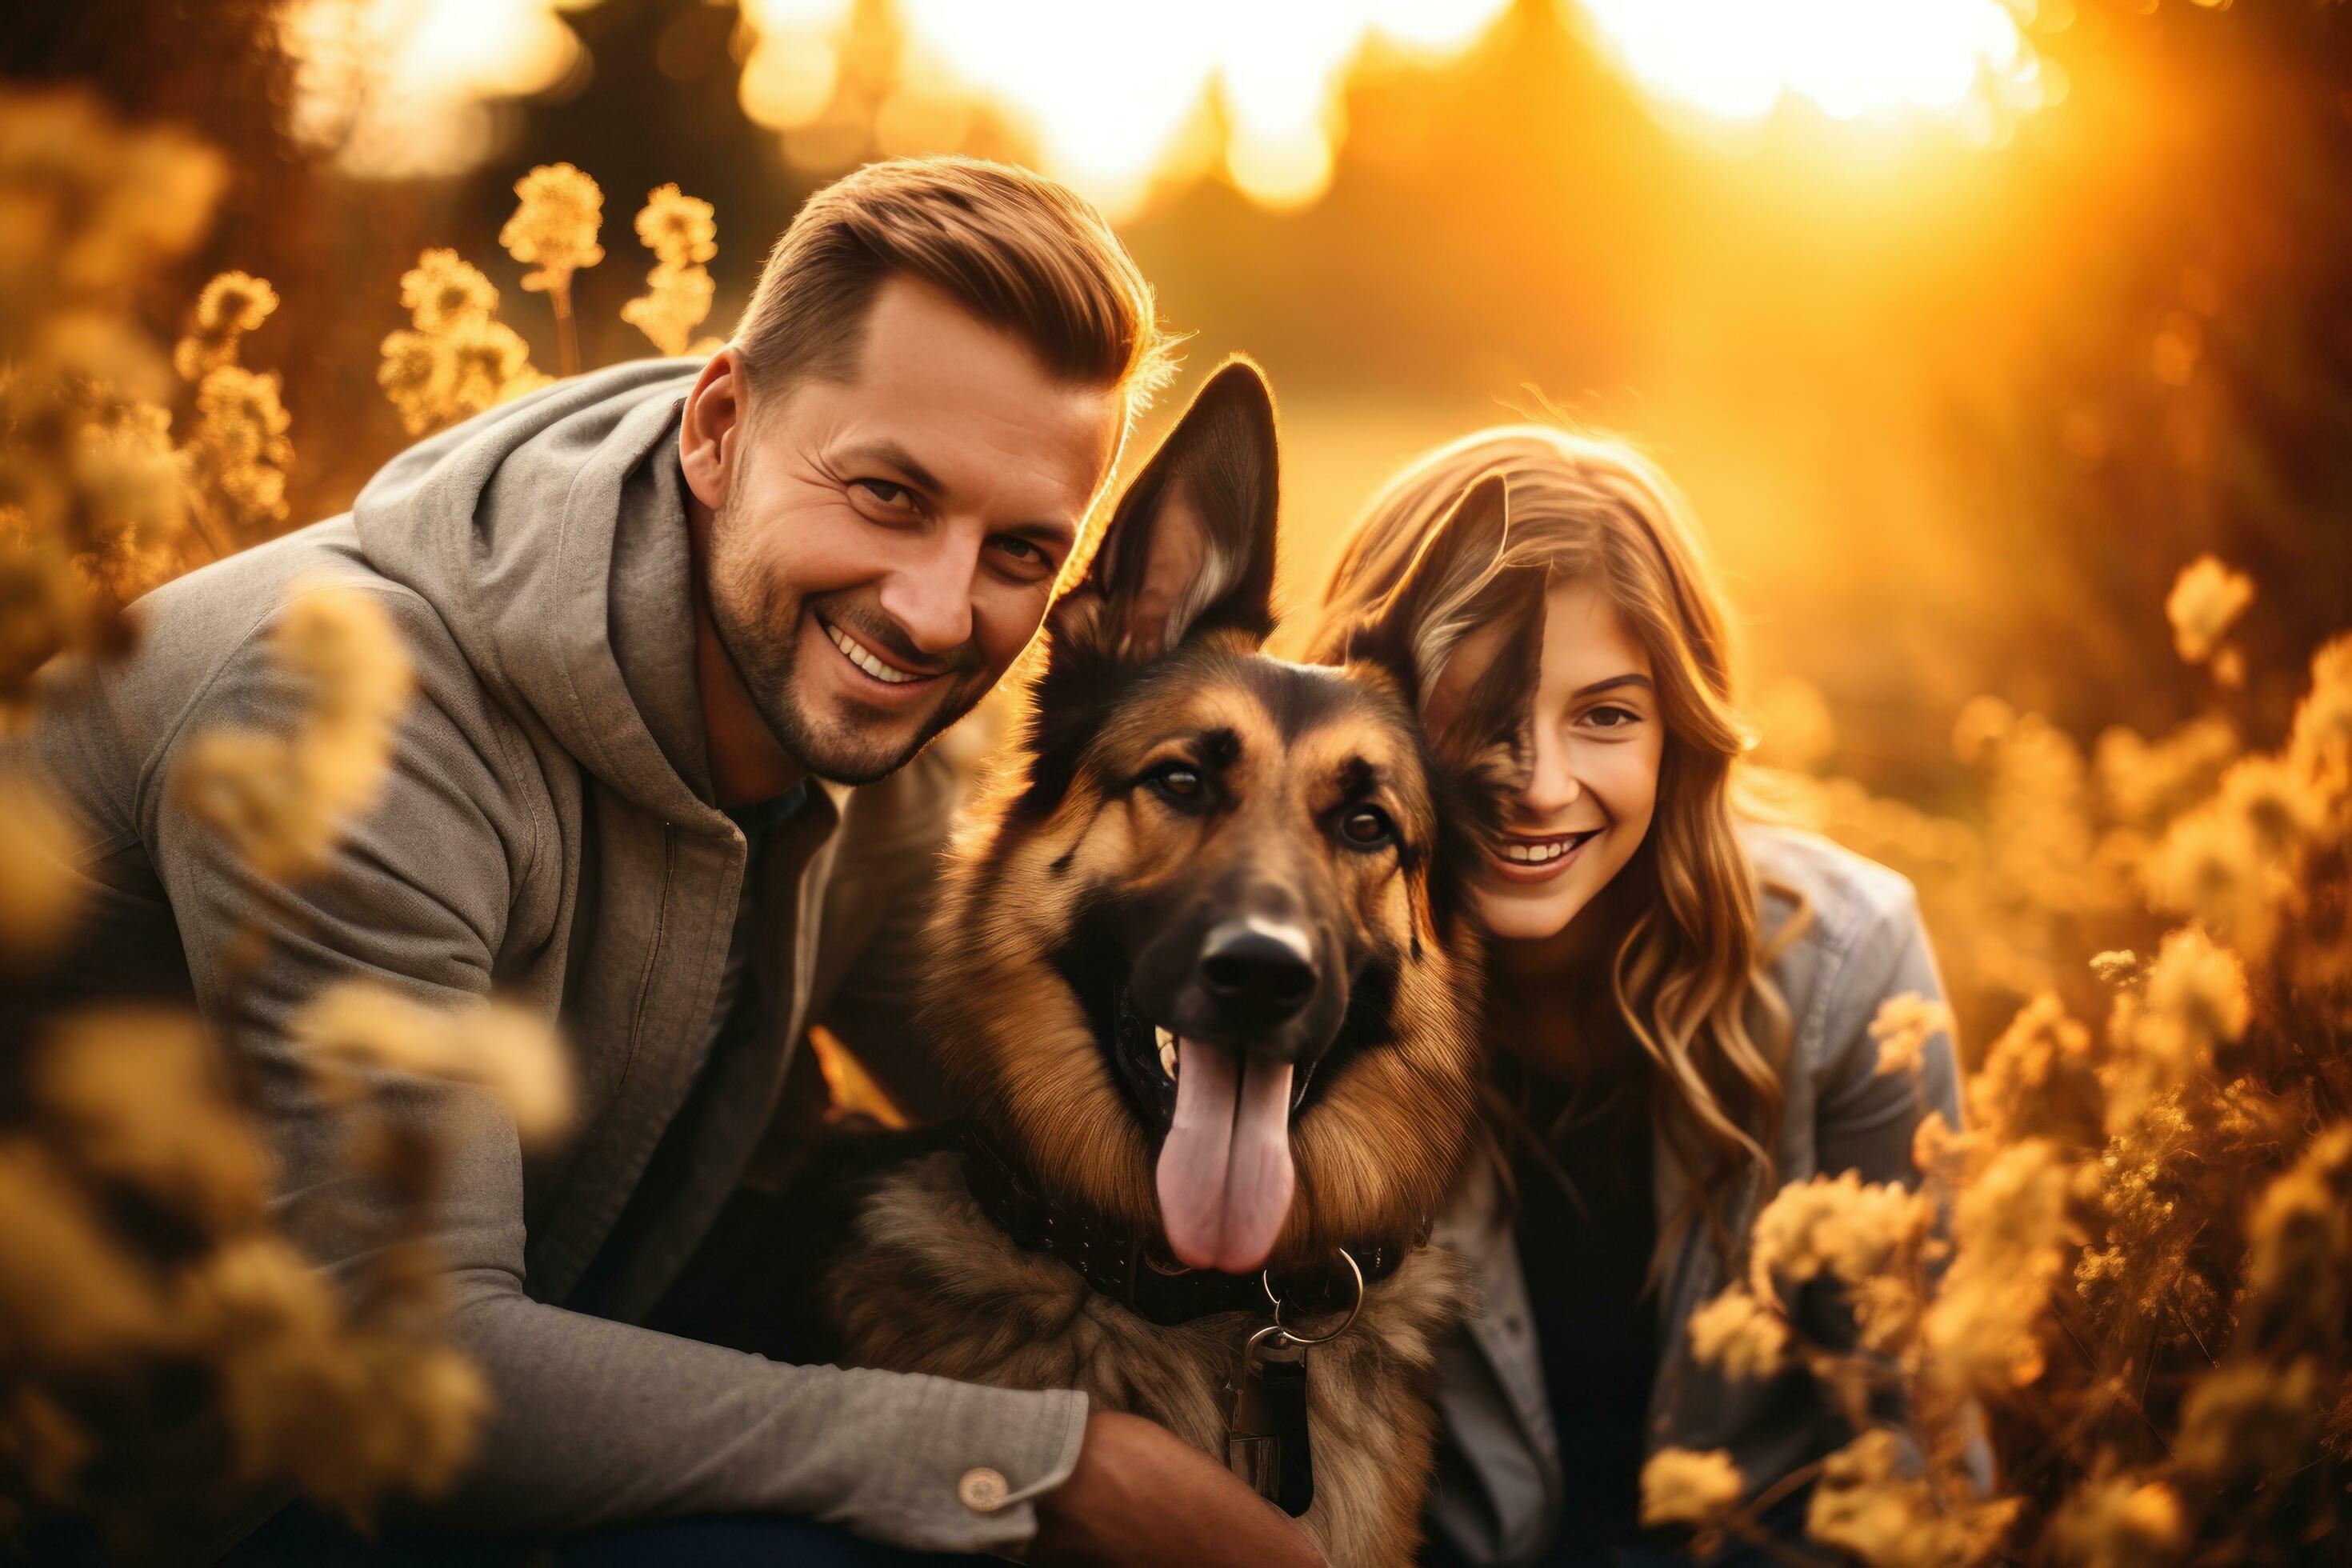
1265	1278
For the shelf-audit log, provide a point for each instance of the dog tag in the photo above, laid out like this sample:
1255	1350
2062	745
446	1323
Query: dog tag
1267	1440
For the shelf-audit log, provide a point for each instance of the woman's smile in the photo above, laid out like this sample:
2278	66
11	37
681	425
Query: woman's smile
1538	857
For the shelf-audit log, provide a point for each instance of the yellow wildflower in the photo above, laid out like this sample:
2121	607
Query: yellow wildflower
2211	864
2299	1241
505	1048
489	364
1903	1027
70	1295
680	230
2283	804
442	291
233	304
43	605
415	374
1740	1335
238	455
40	893
1684	1486
2009	1234
2206	598
1982	724
1865	1504
2320	745
2120	1521
283	803
1844	1227
555	227
134	1098
2038	1076
2248	1420
2148	782
134	503
674	303
2195	1000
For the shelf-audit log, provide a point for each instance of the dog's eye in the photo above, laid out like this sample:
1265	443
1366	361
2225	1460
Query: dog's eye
1178	782
1367	827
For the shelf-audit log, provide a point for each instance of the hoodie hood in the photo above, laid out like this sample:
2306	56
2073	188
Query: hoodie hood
550	534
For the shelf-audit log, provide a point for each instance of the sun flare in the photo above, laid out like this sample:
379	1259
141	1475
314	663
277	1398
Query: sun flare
1739	60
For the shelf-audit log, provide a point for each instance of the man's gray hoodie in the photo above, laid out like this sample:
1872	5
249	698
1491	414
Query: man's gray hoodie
547	832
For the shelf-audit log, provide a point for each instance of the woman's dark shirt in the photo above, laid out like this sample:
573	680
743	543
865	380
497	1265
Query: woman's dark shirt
1586	1229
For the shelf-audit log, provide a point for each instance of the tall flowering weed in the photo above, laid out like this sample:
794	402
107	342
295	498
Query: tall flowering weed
164	1347
2133	1263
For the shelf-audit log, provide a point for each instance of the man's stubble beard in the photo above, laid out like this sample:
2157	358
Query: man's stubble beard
763	646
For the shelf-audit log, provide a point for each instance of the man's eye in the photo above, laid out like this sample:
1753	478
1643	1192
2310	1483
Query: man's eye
889	496
1367	827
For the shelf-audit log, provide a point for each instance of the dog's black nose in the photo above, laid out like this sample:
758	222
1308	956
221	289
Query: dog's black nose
1256	973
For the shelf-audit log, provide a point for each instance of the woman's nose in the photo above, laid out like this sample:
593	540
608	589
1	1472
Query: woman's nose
1552	785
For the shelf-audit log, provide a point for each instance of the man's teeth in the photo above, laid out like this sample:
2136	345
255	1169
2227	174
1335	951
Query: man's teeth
1168	1059
858	654
1537	854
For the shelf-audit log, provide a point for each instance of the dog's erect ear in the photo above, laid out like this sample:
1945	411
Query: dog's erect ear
1463	628
1190	545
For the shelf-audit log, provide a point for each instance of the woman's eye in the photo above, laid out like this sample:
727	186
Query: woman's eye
1367	827
1612	718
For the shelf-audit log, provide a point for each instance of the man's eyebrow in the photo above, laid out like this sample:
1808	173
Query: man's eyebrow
890	455
1615	681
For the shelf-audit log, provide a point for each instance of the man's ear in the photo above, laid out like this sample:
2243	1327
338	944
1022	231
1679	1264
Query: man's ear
1462	629
711	427
1189	548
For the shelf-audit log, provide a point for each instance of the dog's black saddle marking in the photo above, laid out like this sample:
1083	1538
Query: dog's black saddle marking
1128	1267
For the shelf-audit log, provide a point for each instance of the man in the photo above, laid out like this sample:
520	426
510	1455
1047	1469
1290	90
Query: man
680	635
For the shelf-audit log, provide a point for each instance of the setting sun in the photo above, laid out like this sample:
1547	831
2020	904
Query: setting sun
1852	58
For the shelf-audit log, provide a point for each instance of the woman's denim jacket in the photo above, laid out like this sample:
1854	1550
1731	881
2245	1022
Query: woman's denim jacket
1497	1495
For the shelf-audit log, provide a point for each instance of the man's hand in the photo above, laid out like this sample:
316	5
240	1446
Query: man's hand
1140	1495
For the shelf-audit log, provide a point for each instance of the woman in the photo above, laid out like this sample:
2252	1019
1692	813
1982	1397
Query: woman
1679	1001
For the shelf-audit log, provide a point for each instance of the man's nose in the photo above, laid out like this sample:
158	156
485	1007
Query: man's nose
931	598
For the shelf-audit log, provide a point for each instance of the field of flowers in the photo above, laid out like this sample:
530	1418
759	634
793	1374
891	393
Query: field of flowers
2138	1308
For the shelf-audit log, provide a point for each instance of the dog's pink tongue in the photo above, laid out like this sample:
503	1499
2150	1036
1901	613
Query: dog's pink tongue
1225	1170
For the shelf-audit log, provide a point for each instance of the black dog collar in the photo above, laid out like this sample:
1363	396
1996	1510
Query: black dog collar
1130	1269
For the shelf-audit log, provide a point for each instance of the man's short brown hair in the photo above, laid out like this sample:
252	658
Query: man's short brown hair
1020	252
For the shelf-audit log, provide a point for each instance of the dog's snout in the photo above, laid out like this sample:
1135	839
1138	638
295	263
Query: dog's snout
1257	972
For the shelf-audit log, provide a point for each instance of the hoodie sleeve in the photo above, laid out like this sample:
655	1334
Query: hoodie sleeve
596	1422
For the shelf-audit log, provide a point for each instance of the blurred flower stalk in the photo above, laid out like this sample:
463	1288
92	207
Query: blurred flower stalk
2141	1294
165	1349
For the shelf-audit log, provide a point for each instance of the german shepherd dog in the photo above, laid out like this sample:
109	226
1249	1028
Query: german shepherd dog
1204	981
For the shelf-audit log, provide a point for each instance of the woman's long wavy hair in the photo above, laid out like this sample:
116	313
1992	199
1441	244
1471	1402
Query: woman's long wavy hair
1689	976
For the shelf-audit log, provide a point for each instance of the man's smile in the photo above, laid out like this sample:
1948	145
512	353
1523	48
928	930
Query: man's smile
879	681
